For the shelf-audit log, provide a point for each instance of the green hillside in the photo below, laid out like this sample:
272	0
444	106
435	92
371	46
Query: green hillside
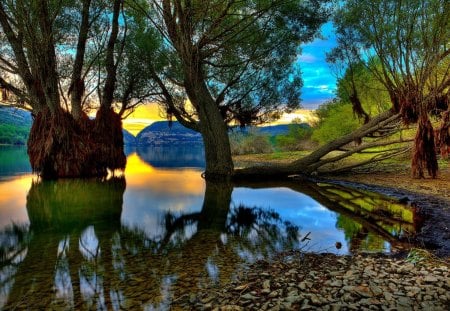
15	126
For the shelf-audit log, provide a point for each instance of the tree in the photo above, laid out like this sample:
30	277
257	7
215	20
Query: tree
405	45
233	61
335	120
60	59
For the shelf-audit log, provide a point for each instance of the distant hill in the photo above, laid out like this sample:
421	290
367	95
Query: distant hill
271	130
15	125
128	138
161	134
281	129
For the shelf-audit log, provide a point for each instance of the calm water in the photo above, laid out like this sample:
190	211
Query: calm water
160	233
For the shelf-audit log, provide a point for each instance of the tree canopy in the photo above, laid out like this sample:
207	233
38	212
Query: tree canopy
233	61
405	45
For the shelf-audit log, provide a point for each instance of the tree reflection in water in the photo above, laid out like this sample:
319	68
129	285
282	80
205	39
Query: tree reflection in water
76	254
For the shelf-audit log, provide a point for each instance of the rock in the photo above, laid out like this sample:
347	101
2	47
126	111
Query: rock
293	299
316	300
273	294
430	279
266	284
265	291
404	301
377	291
363	291
336	283
388	296
248	297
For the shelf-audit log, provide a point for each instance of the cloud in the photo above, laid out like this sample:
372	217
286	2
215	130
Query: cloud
319	83
307	58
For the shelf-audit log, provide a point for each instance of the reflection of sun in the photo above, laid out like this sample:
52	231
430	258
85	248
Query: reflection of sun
13	194
136	166
142	175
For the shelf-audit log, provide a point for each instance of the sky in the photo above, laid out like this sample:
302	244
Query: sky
319	85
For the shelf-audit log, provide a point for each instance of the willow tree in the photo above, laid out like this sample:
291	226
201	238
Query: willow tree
405	44
60	60
229	62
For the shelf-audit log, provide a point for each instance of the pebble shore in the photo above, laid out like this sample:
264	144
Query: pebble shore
298	281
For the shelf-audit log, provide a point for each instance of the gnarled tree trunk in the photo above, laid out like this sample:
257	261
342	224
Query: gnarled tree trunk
219	164
60	146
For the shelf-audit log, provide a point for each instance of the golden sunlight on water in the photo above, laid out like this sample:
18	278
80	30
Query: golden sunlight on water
180	182
13	197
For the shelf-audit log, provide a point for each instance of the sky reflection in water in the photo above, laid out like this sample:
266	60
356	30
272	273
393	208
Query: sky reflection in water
167	233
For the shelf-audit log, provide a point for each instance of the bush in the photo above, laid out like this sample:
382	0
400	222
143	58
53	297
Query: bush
249	143
297	138
335	120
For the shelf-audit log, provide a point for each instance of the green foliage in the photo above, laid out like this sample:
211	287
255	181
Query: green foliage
246	52
335	119
13	135
371	92
250	143
293	140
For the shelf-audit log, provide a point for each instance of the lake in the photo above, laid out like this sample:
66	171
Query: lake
158	232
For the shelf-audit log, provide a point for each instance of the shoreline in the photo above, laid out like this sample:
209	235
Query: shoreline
295	280
301	281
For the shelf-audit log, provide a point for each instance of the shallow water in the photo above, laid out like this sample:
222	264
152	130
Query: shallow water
159	232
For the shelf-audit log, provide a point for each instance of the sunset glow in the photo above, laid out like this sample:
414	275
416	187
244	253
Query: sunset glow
145	115
180	182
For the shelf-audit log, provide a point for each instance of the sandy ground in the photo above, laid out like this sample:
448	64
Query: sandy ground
400	178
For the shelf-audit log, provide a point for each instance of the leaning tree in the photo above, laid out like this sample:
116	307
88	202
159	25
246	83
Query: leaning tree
405	45
229	62
61	59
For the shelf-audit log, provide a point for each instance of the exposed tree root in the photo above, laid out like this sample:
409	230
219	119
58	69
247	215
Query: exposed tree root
60	146
424	150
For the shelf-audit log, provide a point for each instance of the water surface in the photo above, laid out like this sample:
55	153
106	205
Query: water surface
159	233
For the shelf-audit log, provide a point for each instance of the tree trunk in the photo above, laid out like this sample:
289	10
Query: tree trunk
60	146
424	150
219	163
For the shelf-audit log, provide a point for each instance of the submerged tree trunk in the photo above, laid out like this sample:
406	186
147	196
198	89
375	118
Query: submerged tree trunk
60	146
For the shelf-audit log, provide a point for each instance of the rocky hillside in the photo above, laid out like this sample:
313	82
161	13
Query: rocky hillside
161	134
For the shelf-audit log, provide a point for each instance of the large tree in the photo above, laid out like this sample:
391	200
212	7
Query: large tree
60	60
405	44
229	62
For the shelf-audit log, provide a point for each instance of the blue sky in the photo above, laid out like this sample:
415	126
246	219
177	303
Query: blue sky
319	83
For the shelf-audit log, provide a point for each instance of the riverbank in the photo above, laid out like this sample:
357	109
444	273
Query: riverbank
298	281
395	174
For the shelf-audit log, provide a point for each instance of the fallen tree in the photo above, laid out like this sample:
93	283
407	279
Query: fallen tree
375	133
